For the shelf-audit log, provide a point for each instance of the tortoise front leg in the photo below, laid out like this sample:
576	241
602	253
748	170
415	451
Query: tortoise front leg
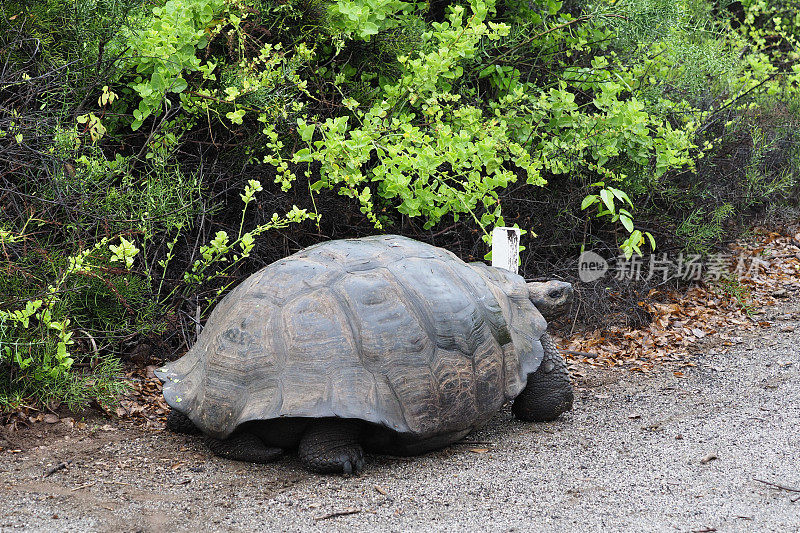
243	446
331	446
549	391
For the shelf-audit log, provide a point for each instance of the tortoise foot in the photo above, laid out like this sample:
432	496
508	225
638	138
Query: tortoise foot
548	392
178	422
331	446
243	447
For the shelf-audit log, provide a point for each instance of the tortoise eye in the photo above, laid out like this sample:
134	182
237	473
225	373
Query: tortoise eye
555	293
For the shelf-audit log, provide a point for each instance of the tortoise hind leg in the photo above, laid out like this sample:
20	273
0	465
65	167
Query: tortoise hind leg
548	392
243	447
331	446
178	422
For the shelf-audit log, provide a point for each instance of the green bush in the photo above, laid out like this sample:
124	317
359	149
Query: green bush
172	147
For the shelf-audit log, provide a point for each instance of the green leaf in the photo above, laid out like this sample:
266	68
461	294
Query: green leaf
302	156
235	116
369	28
179	85
588	201
627	222
621	195
652	240
608	199
486	72
306	130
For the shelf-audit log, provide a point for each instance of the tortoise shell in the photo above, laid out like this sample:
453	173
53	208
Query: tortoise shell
384	329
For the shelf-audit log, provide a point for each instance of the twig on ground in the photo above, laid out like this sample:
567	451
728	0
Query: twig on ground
85	485
776	485
345	512
60	466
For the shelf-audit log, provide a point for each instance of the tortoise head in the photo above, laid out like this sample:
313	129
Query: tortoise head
551	298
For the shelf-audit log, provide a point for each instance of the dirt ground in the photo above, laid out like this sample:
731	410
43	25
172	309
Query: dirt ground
716	450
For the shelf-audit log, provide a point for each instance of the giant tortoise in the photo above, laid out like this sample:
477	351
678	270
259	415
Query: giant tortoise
383	344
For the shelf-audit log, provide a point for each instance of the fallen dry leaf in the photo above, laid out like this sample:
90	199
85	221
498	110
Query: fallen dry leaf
680	320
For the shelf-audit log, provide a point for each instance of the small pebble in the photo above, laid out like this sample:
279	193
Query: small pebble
708	458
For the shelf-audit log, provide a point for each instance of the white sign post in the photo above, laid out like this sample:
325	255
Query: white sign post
505	248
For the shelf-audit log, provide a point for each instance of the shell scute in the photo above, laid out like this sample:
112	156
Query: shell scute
417	396
456	378
289	278
450	312
385	324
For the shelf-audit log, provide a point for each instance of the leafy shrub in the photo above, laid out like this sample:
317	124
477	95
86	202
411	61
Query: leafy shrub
175	146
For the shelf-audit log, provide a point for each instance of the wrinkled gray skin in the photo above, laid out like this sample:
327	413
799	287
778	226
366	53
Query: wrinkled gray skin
544	397
203	388
551	298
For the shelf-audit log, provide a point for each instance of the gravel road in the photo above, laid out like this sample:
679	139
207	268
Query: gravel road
639	452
